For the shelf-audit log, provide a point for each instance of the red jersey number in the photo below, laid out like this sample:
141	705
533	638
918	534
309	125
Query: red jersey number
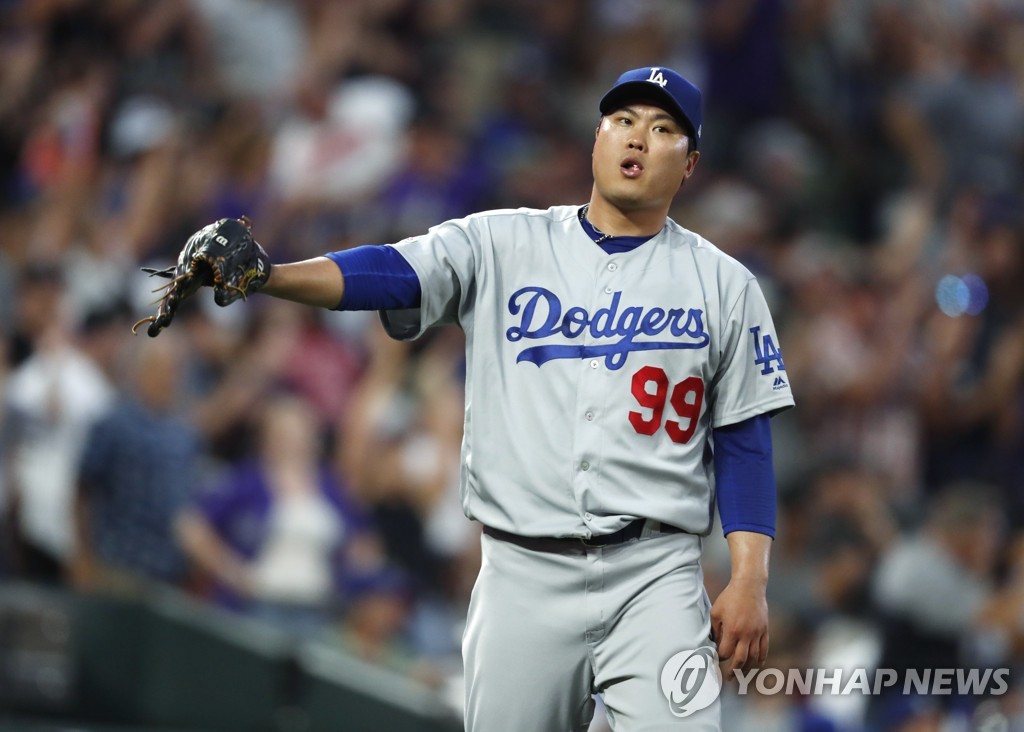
651	391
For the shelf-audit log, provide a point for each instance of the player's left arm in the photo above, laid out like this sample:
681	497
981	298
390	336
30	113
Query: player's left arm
751	384
739	616
745	482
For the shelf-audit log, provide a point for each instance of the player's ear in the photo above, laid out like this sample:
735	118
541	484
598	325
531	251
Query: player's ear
691	163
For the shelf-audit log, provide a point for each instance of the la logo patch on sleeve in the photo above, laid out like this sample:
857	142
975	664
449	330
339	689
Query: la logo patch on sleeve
766	353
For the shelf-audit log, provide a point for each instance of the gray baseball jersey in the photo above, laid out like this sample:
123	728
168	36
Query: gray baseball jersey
593	380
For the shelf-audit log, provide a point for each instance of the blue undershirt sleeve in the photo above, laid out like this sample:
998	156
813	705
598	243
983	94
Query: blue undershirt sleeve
377	277
745	477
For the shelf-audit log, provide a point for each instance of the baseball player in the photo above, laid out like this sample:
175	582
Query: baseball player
621	372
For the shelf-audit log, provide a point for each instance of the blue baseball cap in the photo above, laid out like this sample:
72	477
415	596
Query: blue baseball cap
682	97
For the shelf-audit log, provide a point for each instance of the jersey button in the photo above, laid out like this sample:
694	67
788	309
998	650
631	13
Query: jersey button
593	364
589	416
588	516
612	266
584	465
608	291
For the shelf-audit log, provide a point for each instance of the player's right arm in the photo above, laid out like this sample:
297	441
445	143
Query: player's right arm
318	282
370	277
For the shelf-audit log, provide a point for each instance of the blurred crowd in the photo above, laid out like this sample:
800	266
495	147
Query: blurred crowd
865	159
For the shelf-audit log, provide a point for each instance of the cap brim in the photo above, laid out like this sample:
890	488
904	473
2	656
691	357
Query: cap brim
633	91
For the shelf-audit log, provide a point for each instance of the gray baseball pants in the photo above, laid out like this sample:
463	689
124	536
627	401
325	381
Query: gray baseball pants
549	628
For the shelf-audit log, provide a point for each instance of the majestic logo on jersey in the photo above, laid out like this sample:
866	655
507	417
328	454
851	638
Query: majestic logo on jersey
656	77
541	316
765	353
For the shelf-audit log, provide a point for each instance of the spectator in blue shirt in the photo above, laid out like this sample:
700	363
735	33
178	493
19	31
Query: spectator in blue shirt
139	466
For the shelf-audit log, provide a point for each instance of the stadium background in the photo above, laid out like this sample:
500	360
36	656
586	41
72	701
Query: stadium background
863	158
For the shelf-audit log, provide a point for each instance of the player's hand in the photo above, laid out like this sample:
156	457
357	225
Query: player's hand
739	624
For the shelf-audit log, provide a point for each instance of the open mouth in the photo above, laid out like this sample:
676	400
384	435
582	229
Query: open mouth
631	167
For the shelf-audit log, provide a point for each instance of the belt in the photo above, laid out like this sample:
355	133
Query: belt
632	530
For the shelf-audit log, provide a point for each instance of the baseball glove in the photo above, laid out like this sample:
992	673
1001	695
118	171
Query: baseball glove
223	256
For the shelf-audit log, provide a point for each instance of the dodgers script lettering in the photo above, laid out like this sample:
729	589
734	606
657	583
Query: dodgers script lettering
541	316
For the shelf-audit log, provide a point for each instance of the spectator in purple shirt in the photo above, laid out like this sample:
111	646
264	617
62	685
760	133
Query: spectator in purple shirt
278	536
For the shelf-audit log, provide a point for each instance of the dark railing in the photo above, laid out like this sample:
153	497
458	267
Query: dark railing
162	661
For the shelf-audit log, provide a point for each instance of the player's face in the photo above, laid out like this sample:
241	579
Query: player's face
641	157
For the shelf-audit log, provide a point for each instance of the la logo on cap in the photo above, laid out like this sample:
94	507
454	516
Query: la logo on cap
657	78
678	96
